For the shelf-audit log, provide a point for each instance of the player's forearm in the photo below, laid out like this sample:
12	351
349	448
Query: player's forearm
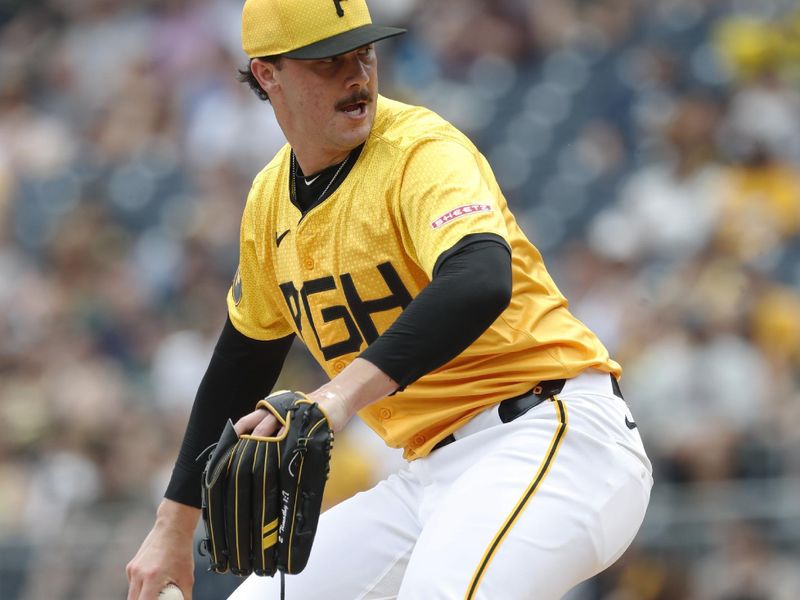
241	372
360	384
471	289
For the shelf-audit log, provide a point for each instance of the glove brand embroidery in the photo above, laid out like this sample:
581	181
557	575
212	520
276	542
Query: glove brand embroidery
284	514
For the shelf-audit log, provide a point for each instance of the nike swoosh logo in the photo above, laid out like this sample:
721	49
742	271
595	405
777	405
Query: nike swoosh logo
310	181
279	238
630	424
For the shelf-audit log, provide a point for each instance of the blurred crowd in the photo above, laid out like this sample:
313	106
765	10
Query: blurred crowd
650	148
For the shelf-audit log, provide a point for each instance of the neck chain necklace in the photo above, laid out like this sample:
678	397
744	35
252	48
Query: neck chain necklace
293	184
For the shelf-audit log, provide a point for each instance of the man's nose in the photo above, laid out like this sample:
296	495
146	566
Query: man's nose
357	71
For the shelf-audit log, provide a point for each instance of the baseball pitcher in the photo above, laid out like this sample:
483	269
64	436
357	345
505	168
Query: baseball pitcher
380	238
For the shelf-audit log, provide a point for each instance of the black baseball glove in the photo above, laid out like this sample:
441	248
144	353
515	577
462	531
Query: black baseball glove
262	495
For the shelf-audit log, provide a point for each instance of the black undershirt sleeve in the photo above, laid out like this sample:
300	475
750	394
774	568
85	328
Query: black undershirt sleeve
241	372
471	287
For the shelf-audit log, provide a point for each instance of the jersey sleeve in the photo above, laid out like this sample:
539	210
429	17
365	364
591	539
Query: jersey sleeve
253	298
444	196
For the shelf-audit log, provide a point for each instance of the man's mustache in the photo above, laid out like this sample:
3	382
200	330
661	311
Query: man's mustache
362	96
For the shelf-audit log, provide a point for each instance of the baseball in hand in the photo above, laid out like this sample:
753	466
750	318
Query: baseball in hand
171	592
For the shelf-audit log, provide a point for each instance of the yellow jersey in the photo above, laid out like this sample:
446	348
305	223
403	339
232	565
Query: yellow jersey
339	275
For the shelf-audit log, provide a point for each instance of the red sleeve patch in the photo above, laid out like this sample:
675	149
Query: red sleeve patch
458	212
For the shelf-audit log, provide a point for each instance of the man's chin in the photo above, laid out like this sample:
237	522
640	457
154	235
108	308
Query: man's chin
355	132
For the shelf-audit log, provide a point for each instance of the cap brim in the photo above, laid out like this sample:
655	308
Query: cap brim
344	42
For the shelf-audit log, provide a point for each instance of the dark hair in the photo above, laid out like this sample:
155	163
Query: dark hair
246	76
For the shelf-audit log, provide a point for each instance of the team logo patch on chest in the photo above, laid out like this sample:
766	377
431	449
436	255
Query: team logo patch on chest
458	212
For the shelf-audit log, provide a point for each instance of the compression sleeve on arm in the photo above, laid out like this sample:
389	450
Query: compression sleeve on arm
241	372
471	287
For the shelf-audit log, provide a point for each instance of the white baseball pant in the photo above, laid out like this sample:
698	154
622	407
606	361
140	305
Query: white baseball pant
518	510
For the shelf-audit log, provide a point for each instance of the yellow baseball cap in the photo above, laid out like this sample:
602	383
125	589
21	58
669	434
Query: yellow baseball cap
308	29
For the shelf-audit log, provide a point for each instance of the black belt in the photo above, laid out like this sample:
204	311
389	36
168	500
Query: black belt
511	408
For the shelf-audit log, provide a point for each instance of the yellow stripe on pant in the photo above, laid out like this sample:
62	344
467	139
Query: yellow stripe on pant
555	443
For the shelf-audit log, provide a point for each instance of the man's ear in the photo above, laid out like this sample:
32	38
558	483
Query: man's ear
264	72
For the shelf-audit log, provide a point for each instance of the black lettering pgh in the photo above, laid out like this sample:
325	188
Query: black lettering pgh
359	330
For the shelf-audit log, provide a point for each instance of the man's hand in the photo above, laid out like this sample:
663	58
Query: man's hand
360	384
166	555
331	401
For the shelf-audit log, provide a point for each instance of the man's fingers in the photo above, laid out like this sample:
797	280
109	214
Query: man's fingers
259	423
267	427
248	422
133	588
151	590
